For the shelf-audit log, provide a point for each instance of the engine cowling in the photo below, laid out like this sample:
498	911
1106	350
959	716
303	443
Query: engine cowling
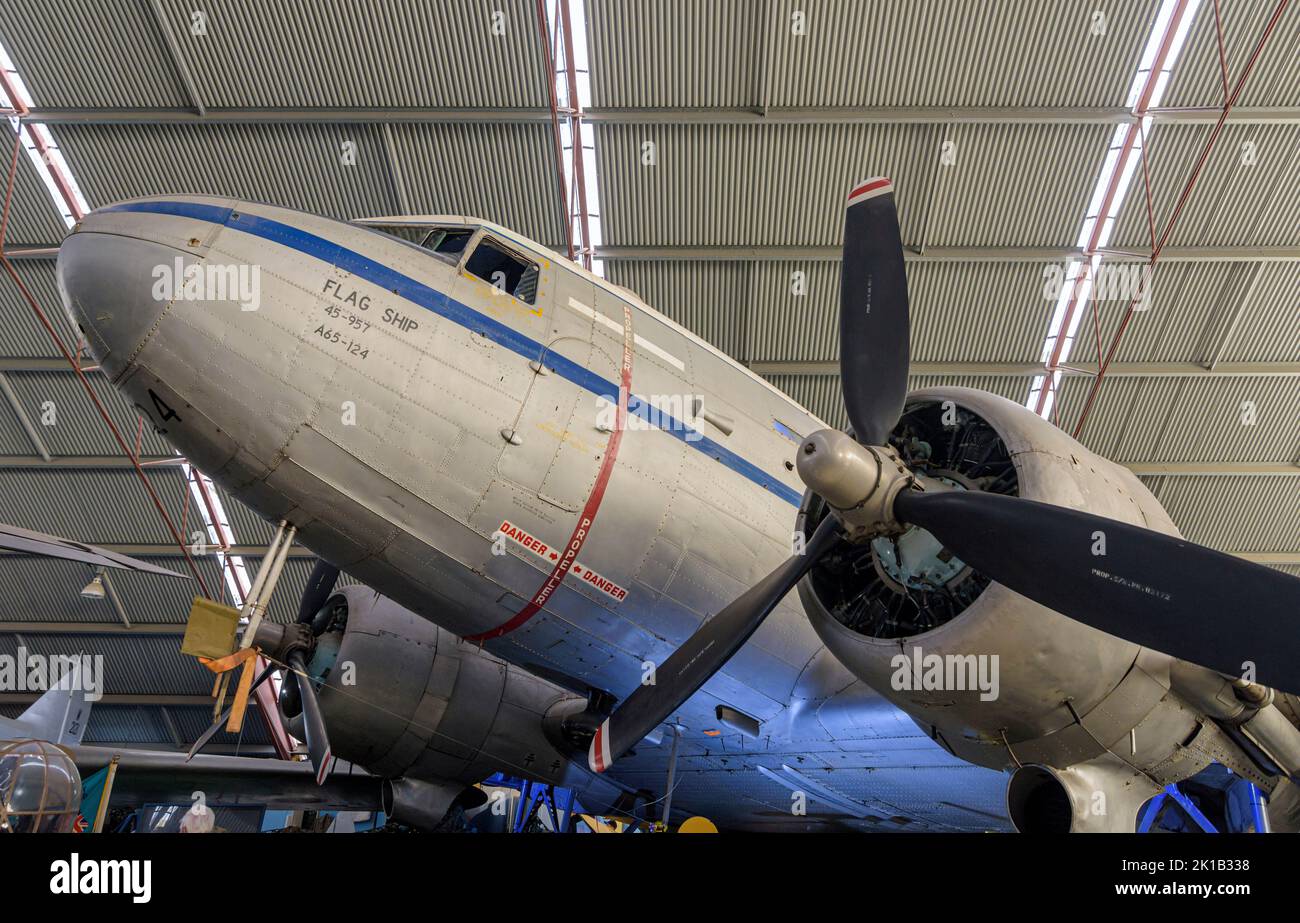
410	701
897	609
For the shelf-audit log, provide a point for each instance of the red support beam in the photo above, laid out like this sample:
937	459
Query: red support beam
555	126
38	136
1131	136
1178	210
575	135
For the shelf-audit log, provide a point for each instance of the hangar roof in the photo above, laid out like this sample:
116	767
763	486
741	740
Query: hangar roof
757	131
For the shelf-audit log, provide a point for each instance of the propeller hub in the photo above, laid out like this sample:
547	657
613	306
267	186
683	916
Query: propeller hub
859	482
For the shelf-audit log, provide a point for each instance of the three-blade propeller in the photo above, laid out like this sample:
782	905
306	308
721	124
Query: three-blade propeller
295	643
1153	589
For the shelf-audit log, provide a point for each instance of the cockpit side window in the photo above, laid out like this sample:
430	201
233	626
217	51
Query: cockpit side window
509	272
448	243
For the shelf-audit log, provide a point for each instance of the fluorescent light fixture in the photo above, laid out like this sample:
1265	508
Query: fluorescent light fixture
586	134
41	148
236	574
1123	155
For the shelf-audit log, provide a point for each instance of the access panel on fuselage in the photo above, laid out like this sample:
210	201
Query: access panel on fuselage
553	445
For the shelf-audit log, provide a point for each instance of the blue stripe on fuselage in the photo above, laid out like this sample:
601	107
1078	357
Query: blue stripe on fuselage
433	300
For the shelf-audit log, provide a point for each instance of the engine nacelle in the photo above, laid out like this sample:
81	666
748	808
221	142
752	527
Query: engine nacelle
995	678
410	701
1100	796
429	805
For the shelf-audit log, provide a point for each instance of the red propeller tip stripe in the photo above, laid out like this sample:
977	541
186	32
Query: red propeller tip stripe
876	186
598	756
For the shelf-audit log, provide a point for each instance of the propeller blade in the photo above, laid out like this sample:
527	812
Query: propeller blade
1150	588
319	587
318	742
39	544
702	655
225	716
874	322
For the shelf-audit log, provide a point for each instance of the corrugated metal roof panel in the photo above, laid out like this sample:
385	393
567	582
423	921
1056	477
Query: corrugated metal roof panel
784	185
77	427
673	52
89	54
1267	330
737	185
99	506
22	335
298	166
1275	80
33	219
137	724
336	53
191	721
1190	308
785	326
943	53
47	590
153	600
1233	203
709	299
1232	513
850	53
1189	419
133	664
500	172
1022	185
979	312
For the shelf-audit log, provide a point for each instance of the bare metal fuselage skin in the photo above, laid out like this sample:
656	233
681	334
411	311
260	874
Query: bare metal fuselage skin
409	416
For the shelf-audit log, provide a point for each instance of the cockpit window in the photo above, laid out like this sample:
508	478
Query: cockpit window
507	272
448	243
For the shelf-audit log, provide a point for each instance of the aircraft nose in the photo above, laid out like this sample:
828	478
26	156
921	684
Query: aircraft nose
123	266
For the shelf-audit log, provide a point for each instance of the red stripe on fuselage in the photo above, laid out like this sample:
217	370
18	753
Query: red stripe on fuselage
588	517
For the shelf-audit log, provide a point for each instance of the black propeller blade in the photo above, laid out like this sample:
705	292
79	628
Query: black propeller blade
702	655
320	584
318	742
319	587
1153	589
1150	588
874	345
225	716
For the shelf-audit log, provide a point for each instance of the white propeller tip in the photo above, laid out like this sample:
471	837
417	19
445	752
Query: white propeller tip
598	753
870	189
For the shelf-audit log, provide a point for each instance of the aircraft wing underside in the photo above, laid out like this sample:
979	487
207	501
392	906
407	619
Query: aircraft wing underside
867	783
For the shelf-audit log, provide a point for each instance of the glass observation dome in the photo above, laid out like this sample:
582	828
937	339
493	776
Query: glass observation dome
40	788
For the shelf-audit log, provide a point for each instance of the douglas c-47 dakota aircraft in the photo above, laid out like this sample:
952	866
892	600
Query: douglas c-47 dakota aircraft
585	523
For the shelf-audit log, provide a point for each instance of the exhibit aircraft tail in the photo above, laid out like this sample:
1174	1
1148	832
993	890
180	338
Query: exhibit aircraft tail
59	716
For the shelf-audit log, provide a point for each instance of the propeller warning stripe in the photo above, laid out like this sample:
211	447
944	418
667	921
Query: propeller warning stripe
325	766
588	516
876	186
598	755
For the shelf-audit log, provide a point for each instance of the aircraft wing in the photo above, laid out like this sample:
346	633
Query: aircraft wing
882	774
164	777
24	541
